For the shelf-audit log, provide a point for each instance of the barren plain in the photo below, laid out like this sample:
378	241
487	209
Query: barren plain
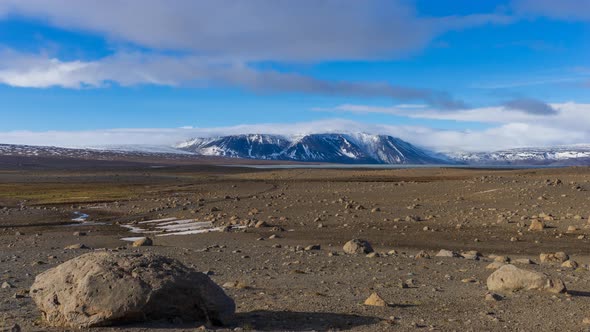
277	236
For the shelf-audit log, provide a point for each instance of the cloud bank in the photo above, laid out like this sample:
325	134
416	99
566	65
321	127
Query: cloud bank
302	30
501	136
128	69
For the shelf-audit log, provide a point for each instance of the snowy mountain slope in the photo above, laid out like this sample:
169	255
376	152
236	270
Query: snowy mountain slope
333	148
105	153
559	155
254	146
336	148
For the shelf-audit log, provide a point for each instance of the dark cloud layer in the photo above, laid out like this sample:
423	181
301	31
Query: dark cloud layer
575	10
530	106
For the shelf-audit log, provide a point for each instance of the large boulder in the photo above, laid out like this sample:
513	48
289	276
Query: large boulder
357	246
509	278
102	288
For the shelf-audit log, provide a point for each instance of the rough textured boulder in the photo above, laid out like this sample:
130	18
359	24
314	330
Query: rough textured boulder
357	246
510	278
558	257
102	288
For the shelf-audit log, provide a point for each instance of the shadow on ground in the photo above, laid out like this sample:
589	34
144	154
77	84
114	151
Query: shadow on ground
301	321
578	293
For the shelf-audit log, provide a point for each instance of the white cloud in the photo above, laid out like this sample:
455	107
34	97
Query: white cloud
302	30
127	69
568	116
505	136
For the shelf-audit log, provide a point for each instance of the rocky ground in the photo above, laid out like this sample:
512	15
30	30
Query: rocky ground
280	255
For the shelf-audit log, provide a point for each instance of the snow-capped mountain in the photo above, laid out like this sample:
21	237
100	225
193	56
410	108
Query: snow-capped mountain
329	148
333	148
560	155
94	153
254	146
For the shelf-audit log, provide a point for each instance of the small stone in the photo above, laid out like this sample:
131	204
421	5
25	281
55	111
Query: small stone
357	246
558	257
375	300
570	264
537	225
493	297
447	253
261	224
143	242
502	259
422	255
76	246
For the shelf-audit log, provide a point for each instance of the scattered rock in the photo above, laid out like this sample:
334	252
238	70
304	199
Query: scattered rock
261	224
502	259
447	253
537	225
493	297
76	246
472	255
356	246
79	292
422	255
236	285
570	264
558	257
143	242
6	285
510	278
376	301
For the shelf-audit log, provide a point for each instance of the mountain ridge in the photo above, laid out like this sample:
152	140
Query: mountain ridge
344	148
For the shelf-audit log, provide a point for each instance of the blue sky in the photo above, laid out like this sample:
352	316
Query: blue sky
459	74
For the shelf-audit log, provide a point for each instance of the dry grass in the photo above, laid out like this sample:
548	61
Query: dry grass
54	193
